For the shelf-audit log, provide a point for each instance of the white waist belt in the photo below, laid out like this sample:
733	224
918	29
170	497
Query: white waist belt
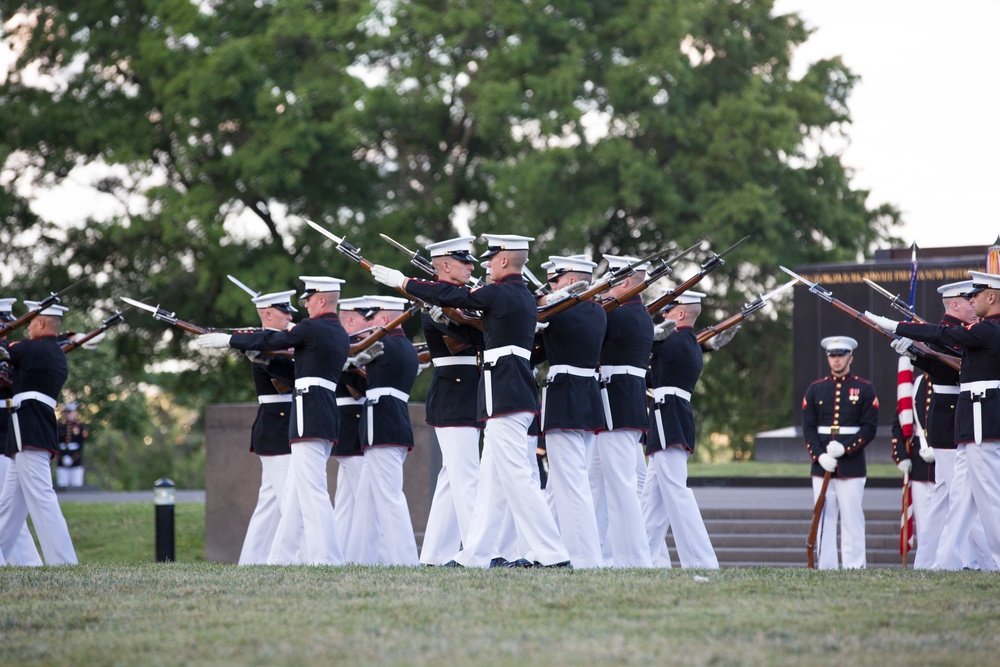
945	389
374	394
560	369
660	393
312	381
274	398
846	430
608	371
23	396
350	400
979	387
454	361
492	355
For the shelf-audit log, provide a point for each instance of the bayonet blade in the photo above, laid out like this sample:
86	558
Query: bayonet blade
236	281
144	306
398	246
797	277
324	231
531	276
778	290
881	290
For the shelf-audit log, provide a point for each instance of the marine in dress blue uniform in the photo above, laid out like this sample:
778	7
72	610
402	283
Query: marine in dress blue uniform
625	356
452	410
977	414
38	372
507	401
72	438
306	532
273	379
24	551
382	532
572	411
839	419
667	502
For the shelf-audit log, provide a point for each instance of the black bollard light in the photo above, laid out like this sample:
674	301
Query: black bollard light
163	499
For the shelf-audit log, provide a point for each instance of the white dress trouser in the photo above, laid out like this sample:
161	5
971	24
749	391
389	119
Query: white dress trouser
640	468
510	546
454	494
69	477
267	514
600	497
505	478
23	552
306	532
975	490
626	527
382	533
844	498
349	470
928	534
27	490
569	451
667	502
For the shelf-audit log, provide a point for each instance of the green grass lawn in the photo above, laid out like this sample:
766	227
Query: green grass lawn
210	614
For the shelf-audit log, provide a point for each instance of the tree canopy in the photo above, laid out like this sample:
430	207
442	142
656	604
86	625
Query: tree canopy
596	126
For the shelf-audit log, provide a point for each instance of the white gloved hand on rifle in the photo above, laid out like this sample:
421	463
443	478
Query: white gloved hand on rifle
905	466
927	454
718	341
883	323
664	329
541	326
388	277
578	287
256	357
365	356
436	313
904	347
210	340
835	449
827	462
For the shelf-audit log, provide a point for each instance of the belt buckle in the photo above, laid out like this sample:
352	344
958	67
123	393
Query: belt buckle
834	430
301	391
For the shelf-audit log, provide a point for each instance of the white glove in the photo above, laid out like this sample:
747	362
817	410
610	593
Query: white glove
541	326
437	314
256	357
388	277
718	341
366	355
827	462
213	340
903	346
578	287
423	367
92	343
927	454
905	466
4	354
834	449
883	323
664	329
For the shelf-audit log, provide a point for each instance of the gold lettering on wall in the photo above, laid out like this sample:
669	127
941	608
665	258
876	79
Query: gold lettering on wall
846	277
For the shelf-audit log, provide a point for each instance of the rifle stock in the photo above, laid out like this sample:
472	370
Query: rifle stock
90	335
714	330
382	332
814	528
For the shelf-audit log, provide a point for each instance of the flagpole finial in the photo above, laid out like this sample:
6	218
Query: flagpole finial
914	247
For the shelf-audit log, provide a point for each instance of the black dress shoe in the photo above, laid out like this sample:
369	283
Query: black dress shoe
520	562
565	565
499	561
452	563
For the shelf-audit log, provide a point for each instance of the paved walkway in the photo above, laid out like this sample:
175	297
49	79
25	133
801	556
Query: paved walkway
708	497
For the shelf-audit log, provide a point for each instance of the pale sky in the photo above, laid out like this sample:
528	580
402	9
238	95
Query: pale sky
925	134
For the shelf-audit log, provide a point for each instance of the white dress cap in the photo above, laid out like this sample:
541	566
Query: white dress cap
558	265
460	248
981	281
616	262
280	300
316	284
838	345
961	288
499	242
7	308
687	298
54	310
388	302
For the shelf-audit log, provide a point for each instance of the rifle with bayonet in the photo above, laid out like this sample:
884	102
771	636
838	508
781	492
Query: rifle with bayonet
540	288
827	296
51	300
896	302
713	262
609	280
106	324
748	309
419	261
664	268
381	332
354	254
171	319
